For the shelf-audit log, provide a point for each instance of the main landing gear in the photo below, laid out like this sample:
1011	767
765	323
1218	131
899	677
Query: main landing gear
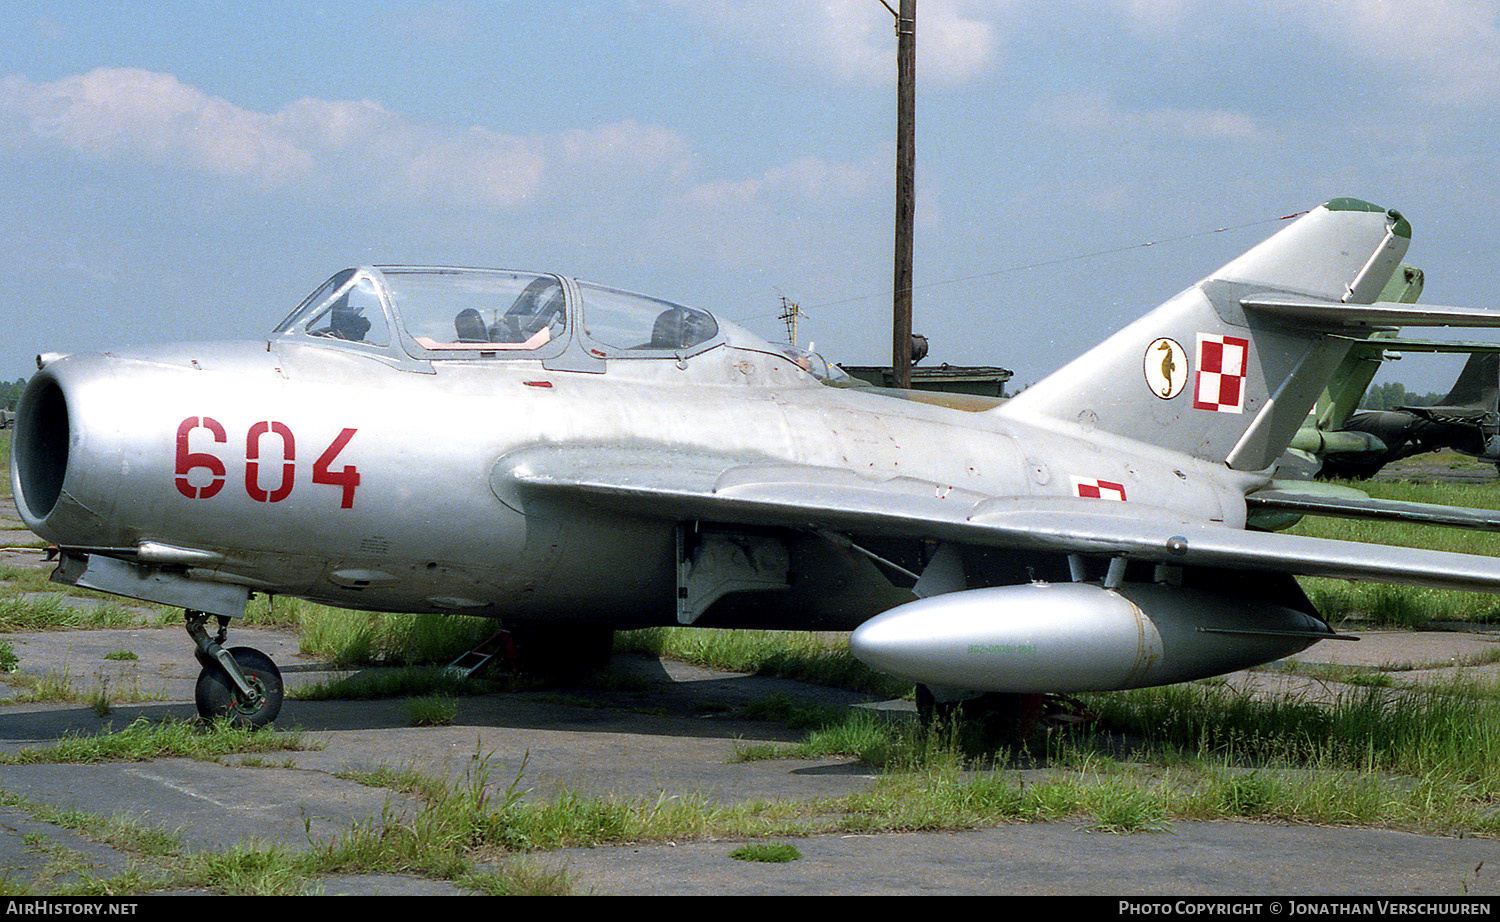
240	684
997	719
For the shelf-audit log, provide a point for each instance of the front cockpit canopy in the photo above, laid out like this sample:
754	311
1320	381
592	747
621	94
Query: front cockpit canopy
441	312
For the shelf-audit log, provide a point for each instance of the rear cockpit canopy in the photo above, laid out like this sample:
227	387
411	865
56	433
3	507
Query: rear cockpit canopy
619	321
439	313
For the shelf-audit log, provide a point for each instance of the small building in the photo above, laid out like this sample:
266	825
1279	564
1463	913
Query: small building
979	380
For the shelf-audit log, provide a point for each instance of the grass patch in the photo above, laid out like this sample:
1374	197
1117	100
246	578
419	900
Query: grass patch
1449	731
53	612
819	658
352	638
143	740
1381	758
431	711
769	853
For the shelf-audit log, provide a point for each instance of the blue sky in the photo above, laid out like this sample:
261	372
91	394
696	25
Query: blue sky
185	170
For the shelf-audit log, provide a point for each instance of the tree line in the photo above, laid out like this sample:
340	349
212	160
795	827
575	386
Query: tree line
1393	394
10	392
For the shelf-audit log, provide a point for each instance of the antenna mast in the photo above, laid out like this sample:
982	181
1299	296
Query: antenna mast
789	314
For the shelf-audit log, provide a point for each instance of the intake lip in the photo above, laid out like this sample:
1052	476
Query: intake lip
40	449
66	461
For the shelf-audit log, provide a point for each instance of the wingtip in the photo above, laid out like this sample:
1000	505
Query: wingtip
1399	225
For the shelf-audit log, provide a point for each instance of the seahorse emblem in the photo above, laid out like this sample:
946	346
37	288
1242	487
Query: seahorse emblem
1167	366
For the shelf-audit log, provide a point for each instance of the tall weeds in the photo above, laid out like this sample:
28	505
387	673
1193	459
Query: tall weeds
1450	732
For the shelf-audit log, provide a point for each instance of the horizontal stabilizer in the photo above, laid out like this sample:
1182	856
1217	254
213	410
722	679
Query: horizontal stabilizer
1403	345
1333	314
1350	507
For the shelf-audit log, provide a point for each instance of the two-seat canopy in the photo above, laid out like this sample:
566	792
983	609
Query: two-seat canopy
438	313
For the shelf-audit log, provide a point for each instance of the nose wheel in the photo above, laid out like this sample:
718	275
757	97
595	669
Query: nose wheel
239	684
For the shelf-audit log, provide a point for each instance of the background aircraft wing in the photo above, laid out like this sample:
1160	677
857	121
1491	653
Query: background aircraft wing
724	490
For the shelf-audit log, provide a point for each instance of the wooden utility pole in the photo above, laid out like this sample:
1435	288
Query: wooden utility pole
906	159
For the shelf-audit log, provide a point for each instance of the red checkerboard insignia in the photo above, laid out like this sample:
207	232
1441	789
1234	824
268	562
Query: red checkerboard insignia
1222	361
1091	488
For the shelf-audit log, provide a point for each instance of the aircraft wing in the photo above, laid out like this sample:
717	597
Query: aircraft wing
663	484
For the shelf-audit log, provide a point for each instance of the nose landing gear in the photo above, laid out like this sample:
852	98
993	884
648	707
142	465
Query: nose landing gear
240	683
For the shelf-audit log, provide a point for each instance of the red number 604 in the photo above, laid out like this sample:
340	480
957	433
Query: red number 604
189	461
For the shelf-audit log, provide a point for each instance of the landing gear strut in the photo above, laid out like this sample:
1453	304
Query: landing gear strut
240	683
996	718
999	714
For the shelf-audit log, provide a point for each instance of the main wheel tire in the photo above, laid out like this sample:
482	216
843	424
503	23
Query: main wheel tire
217	696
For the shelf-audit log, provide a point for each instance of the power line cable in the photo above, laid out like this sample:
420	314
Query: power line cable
1064	259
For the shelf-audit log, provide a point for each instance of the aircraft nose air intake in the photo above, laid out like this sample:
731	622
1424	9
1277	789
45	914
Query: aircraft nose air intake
65	461
39	453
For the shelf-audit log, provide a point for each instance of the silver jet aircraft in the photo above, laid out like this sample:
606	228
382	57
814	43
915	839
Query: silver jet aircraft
573	459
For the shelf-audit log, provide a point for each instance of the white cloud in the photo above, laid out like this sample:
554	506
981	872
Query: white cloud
636	174
1444	51
628	147
138	114
803	179
790	208
1099	113
140	117
855	40
1451	48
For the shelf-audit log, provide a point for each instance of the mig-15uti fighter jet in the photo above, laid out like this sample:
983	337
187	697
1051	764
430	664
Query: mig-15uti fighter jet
573	459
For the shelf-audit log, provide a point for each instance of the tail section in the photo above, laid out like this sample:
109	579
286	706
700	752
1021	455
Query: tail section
1228	370
1353	376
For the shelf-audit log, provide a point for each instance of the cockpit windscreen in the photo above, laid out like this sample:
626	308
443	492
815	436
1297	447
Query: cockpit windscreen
346	307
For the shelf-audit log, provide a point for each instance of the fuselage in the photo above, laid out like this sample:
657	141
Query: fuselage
322	469
317	473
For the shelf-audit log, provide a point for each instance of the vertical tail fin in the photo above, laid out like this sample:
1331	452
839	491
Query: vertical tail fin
1209	373
1478	385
